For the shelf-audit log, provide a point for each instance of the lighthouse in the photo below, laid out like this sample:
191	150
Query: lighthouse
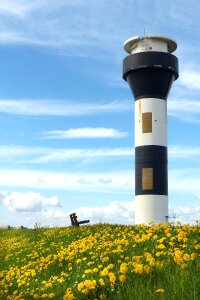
150	69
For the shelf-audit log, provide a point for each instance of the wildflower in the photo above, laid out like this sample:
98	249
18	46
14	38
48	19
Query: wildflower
159	291
161	246
69	295
110	266
80	286
91	284
147	269
100	266
181	235
138	268
104	272
105	259
186	256
112	277
51	295
78	261
197	247
44	296
102	282
102	297
123	268
122	278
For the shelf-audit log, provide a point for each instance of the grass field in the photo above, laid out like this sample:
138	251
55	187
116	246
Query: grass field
101	262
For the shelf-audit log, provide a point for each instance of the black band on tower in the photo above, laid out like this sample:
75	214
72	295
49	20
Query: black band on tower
151	170
150	74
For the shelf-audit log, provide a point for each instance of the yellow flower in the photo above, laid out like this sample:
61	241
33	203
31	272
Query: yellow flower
91	284
100	266
104	272
110	266
102	297
159	291
80	286
123	268
112	277
101	281
69	295
122	278
105	259
138	268
161	246
186	256
147	269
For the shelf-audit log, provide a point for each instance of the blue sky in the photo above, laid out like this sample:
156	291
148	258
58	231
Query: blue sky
67	117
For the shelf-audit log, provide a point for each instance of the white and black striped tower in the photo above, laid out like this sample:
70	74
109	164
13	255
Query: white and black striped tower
150	70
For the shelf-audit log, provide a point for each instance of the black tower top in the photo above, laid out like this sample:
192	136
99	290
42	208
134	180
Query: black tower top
150	69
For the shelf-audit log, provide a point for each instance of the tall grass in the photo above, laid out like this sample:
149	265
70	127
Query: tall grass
101	262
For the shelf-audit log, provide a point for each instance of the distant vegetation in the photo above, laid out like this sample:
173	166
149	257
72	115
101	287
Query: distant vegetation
101	262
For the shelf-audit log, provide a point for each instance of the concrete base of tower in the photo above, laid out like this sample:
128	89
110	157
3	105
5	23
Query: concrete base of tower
151	208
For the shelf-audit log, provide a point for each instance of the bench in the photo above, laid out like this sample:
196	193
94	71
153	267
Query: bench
75	222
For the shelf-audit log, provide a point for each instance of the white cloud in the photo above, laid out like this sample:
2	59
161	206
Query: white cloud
180	152
13	8
61	107
115	211
29	202
100	132
62	155
190	79
187	214
55	214
185	109
47	212
184	181
73	26
104	182
120	212
18	154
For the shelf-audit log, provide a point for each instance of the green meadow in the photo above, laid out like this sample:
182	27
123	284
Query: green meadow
101	262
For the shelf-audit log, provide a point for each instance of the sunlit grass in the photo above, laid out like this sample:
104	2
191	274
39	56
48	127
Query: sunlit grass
101	262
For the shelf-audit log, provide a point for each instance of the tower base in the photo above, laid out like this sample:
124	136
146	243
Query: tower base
151	208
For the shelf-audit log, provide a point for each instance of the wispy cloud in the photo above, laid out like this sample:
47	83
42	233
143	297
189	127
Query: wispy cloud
75	133
190	79
33	155
82	27
63	155
18	154
185	109
184	181
66	25
61	107
180	152
104	182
